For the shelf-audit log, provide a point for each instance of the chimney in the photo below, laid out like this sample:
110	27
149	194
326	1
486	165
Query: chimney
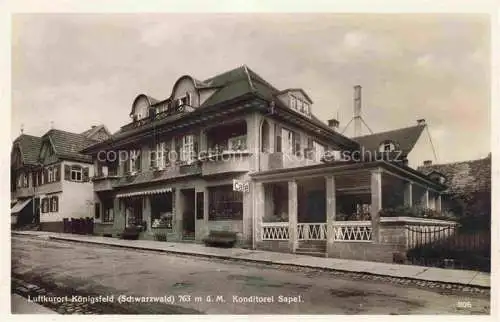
357	110
421	122
333	124
427	163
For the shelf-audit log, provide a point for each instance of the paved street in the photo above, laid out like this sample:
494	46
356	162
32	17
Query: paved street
89	269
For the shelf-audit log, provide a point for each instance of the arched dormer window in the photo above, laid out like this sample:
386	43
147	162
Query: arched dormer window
387	146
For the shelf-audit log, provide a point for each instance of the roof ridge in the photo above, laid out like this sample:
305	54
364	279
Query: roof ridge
220	74
453	163
249	78
389	131
261	79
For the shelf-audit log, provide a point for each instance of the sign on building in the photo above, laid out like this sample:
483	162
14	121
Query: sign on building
240	185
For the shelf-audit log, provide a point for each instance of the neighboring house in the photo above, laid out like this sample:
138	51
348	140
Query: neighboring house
469	186
410	145
233	152
50	178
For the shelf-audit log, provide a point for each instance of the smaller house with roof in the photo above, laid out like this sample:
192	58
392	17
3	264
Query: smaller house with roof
50	177
469	186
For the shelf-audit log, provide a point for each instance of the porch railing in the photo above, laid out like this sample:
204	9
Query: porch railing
344	231
274	231
311	231
358	231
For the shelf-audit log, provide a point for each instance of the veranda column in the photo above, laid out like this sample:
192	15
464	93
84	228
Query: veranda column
292	215
438	202
258	213
425	199
147	212
331	210
376	206
408	195
179	210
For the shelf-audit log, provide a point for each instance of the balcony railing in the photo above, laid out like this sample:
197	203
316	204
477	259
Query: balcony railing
172	109
104	183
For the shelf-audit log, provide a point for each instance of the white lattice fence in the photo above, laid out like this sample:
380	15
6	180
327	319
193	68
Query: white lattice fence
275	231
353	231
311	231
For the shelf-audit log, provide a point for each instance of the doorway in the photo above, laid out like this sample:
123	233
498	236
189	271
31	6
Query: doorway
188	214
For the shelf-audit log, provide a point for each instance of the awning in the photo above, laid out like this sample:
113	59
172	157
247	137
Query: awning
141	193
19	206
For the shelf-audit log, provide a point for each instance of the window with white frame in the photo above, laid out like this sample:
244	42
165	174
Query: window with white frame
76	173
293	102
50	175
54	204
187	154
185	100
135	161
290	142
319	150
159	156
387	146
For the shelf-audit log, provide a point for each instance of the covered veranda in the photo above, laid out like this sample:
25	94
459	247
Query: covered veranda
334	203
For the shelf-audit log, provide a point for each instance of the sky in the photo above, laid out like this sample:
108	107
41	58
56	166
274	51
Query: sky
78	70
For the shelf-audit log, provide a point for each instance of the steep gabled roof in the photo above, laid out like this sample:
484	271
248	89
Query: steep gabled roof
465	176
404	138
68	145
30	147
238	82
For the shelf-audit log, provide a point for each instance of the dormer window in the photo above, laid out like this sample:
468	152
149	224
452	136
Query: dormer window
299	105
185	100
387	146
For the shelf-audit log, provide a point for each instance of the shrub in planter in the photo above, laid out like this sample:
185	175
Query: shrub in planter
131	233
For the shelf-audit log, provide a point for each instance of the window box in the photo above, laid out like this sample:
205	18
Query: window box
165	221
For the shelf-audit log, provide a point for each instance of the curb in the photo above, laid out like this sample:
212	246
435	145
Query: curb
261	261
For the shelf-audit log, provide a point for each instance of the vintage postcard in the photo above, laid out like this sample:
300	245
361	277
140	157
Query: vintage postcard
324	162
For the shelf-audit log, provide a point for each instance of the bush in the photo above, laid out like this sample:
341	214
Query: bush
414	211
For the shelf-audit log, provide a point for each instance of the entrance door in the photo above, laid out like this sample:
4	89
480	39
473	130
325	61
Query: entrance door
188	215
316	207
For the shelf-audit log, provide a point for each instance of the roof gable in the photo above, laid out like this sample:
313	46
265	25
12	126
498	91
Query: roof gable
29	147
465	176
68	145
404	139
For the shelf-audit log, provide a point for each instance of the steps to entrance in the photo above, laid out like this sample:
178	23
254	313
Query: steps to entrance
312	248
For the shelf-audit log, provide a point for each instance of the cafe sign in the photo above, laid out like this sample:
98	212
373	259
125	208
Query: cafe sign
240	185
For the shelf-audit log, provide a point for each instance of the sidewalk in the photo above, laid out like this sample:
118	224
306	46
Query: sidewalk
433	274
20	305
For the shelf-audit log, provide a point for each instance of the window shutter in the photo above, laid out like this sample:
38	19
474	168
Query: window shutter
57	168
97	210
195	145
56	198
277	131
296	139
178	146
67	172
85	174
44	201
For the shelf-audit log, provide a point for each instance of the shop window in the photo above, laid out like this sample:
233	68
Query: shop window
162	210
225	204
